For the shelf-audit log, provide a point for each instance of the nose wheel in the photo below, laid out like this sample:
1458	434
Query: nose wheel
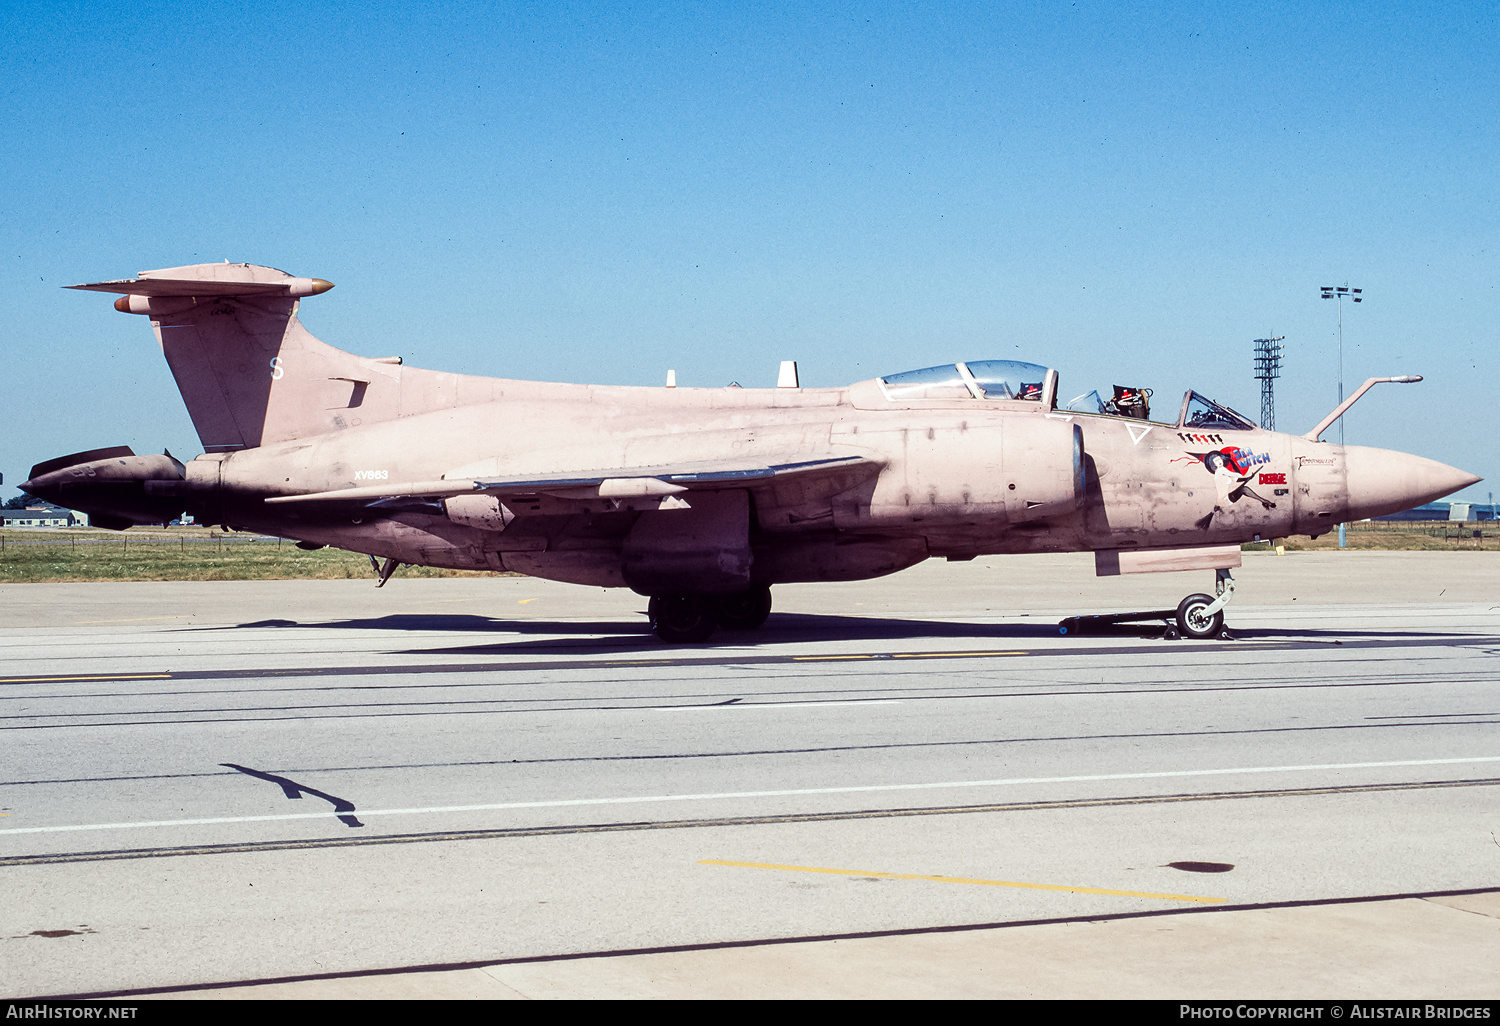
1202	616
1195	621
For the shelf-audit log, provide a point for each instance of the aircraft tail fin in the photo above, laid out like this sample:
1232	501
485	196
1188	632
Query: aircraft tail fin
248	370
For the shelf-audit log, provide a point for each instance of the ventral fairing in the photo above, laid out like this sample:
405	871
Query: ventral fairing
701	498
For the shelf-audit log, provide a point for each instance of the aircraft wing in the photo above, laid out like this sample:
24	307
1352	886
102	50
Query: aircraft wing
608	484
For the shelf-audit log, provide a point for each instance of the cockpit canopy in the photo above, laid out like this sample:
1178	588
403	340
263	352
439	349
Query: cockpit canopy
1031	382
1201	412
1197	411
974	379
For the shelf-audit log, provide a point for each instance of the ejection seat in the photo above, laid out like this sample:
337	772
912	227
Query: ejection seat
1130	402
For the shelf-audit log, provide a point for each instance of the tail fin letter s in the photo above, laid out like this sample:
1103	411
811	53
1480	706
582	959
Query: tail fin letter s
248	370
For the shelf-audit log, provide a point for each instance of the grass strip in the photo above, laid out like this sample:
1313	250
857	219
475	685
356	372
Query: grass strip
51	555
164	556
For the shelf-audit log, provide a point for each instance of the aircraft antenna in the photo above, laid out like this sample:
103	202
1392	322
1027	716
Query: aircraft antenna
1267	370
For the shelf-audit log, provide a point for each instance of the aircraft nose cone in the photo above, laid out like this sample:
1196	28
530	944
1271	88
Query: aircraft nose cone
1381	481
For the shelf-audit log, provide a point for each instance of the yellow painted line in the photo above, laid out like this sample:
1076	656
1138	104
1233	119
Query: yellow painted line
134	619
949	655
826	659
522	602
64	680
963	880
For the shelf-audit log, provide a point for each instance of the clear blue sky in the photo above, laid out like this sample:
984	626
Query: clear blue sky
594	192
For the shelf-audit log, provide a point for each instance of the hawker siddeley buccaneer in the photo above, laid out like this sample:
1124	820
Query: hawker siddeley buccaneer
701	498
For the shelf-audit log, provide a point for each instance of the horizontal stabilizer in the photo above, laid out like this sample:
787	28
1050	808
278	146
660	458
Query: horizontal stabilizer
207	280
675	478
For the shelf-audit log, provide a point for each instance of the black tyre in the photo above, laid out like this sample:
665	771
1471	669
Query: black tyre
746	610
1191	620
683	619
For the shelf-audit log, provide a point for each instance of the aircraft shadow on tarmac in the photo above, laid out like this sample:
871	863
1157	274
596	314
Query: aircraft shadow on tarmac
342	807
634	636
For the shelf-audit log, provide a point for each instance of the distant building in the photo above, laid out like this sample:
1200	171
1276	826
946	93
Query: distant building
1431	511
41	516
1445	511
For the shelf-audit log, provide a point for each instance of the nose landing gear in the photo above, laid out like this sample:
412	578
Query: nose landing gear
1200	616
1197	616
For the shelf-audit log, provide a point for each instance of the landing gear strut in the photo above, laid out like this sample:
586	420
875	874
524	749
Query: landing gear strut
383	571
690	619
1200	616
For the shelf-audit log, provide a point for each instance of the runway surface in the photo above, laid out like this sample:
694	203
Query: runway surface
229	782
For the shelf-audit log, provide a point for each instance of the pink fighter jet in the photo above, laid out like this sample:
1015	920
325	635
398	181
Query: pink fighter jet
701	498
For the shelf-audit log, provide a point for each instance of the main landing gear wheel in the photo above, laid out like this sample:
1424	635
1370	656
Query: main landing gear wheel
746	610
683	619
1194	621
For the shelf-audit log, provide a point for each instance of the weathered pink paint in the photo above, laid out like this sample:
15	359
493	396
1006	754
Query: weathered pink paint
683	492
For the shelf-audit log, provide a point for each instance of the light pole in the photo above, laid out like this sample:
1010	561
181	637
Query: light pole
1341	293
1267	370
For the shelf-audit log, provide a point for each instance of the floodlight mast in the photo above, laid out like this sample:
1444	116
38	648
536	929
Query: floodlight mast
1340	293
1267	370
